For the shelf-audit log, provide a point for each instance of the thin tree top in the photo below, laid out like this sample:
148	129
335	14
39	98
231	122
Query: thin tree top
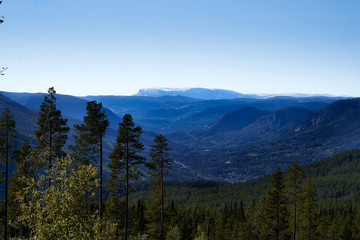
96	120
159	154
7	130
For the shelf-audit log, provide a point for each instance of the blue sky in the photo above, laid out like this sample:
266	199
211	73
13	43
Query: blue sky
117	47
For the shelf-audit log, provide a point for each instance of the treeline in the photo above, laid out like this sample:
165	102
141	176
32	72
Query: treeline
55	195
336	180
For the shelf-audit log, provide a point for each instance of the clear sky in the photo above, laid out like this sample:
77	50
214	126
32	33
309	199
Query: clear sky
117	47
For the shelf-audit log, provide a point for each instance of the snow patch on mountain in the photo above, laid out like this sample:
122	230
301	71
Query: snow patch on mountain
200	93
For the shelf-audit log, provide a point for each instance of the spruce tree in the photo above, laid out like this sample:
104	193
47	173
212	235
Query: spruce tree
254	220
24	169
7	150
294	184
276	212
51	135
125	160
158	167
89	142
309	210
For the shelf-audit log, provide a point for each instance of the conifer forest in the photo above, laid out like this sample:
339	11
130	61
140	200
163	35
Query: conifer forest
58	191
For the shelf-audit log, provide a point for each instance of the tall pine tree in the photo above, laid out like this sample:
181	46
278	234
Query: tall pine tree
24	169
294	184
125	160
89	141
51	135
7	150
309	210
158	167
276	212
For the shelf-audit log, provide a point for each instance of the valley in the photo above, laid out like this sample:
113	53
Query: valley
226	140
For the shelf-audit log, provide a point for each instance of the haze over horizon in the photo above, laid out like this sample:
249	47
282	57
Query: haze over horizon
118	47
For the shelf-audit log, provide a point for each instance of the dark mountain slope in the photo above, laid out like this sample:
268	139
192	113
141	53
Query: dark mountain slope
25	117
339	114
70	106
257	150
236	120
270	126
240	127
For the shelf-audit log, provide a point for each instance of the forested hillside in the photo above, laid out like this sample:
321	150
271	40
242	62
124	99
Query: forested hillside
56	188
336	180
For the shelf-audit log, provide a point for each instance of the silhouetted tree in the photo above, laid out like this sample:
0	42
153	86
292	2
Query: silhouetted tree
158	167
276	212
294	184
125	160
309	210
89	141
51	134
7	148
24	169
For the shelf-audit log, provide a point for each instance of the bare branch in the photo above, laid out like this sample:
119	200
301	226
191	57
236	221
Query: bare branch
2	70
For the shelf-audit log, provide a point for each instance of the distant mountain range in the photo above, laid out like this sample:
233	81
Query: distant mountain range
208	94
219	139
200	93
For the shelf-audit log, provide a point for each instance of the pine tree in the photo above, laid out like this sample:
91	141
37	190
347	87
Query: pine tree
276	212
24	169
7	148
356	226
294	184
309	210
89	142
125	160
254	219
158	169
52	131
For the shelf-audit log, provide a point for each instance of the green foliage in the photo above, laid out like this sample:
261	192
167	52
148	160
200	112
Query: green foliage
55	212
308	211
294	183
335	179
174	234
89	142
276	216
24	169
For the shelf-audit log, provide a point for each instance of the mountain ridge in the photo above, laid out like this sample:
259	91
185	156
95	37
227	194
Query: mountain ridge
215	93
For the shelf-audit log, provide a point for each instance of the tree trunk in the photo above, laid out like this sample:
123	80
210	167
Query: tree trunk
6	181
101	181
295	220
127	190
50	152
162	200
